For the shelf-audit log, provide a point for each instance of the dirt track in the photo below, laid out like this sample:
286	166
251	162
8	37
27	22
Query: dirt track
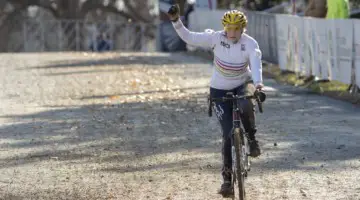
134	126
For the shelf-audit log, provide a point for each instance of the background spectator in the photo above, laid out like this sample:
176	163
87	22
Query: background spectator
338	9
316	8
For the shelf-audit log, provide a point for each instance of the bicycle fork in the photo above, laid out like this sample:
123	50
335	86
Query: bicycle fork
245	149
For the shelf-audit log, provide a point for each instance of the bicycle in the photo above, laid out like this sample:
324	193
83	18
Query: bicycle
241	168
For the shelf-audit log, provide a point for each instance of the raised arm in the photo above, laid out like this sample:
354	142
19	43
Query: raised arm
254	53
204	39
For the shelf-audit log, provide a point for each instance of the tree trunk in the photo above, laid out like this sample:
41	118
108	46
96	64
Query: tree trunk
73	13
9	22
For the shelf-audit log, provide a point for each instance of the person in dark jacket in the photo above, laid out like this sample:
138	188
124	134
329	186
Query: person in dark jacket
316	8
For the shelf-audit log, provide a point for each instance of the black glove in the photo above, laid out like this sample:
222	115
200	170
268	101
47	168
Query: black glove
261	94
174	12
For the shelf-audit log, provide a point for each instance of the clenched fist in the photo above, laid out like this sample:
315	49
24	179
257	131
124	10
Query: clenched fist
174	12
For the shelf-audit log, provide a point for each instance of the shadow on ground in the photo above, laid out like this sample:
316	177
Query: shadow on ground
122	60
126	131
304	128
305	131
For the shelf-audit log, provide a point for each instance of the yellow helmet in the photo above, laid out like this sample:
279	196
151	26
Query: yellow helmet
234	17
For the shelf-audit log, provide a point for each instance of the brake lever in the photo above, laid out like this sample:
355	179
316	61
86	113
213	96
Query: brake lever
259	104
260	97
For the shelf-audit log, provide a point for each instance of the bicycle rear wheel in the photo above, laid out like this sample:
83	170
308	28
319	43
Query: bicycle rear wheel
240	165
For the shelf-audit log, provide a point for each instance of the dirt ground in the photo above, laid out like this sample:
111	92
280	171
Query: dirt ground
134	126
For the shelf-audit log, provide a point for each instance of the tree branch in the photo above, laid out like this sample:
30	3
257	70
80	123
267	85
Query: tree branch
90	5
46	4
133	10
49	5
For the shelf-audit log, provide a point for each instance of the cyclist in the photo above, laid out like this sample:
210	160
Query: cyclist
238	69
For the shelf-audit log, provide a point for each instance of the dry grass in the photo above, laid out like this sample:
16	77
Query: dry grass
334	89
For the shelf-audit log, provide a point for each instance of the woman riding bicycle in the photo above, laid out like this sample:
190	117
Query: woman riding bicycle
238	69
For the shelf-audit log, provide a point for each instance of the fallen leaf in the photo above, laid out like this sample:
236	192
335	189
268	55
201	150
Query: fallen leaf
54	158
303	192
113	97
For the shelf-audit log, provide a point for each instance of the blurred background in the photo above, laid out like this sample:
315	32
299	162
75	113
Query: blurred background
103	25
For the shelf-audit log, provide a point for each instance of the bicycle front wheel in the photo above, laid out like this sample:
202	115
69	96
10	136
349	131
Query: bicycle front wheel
240	165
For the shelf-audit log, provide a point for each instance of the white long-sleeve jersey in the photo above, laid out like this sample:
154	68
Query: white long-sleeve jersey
234	63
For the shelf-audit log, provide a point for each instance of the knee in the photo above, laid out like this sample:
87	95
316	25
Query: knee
226	129
247	106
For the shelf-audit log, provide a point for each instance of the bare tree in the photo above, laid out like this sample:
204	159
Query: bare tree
77	9
134	10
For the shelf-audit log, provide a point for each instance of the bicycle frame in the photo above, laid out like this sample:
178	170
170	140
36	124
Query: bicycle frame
236	112
242	166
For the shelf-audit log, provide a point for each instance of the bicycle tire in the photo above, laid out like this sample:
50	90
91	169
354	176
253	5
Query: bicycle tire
240	170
